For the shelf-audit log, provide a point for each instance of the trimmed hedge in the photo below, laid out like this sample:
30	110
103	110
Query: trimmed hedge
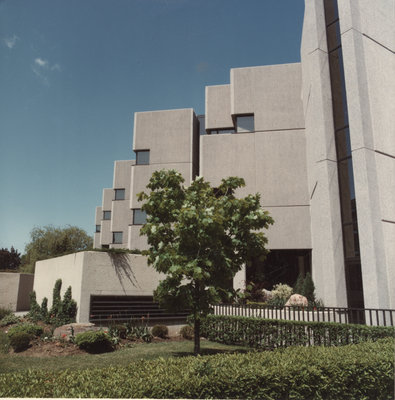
362	371
269	333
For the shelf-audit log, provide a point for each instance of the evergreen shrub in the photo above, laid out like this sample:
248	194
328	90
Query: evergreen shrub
20	341
187	332
271	333
30	329
160	331
362	371
94	341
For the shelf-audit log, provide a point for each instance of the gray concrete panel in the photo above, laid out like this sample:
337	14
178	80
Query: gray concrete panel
218	113
272	93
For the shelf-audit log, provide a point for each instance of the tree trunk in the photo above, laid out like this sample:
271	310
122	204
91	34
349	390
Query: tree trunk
196	348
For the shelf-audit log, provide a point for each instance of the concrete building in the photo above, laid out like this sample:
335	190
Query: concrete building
315	138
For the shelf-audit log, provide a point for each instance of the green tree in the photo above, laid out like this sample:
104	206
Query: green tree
298	287
9	259
200	237
50	241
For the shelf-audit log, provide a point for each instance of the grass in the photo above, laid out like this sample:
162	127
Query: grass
122	357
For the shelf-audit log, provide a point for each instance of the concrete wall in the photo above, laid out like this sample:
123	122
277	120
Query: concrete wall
367	34
14	290
323	186
95	273
272	159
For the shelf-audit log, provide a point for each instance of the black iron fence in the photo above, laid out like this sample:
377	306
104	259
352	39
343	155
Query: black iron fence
366	316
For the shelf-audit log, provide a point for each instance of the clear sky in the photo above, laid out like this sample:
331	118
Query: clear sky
73	72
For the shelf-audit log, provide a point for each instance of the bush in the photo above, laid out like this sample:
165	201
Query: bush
20	341
271	333
282	292
187	332
30	329
160	331
9	320
363	371
4	311
94	341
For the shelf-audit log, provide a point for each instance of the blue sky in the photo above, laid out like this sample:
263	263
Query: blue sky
73	72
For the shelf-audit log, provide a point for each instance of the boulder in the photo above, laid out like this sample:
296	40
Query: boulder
297	300
65	330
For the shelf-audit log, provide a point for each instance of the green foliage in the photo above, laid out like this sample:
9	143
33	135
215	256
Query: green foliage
200	237
94	341
160	331
298	287
9	320
62	312
34	313
4	343
49	242
30	329
187	332
138	330
4	311
9	259
309	288
363	371
117	330
271	333
280	294
20	341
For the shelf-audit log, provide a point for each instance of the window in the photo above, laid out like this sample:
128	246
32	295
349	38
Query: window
142	157
119	194
139	217
106	215
98	228
245	123
105	246
220	131
117	237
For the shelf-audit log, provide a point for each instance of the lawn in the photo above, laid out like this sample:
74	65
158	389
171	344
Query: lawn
121	357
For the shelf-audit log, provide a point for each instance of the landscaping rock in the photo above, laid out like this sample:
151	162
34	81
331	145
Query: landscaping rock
297	300
63	330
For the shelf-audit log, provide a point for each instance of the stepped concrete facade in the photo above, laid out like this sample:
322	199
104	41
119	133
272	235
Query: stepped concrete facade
316	139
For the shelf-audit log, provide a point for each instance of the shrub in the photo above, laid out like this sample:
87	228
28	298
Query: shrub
160	331
363	371
4	311
4	343
30	329
298	287
271	333
280	294
9	320
20	341
93	341
309	288
187	332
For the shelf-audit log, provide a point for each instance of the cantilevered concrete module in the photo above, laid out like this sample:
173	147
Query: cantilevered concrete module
316	139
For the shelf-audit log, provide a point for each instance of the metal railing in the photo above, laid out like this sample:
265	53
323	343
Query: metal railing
366	316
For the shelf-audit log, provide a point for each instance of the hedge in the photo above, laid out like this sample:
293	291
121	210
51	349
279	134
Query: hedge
362	371
269	333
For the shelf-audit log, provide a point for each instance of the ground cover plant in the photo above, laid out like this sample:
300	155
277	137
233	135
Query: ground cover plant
361	371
